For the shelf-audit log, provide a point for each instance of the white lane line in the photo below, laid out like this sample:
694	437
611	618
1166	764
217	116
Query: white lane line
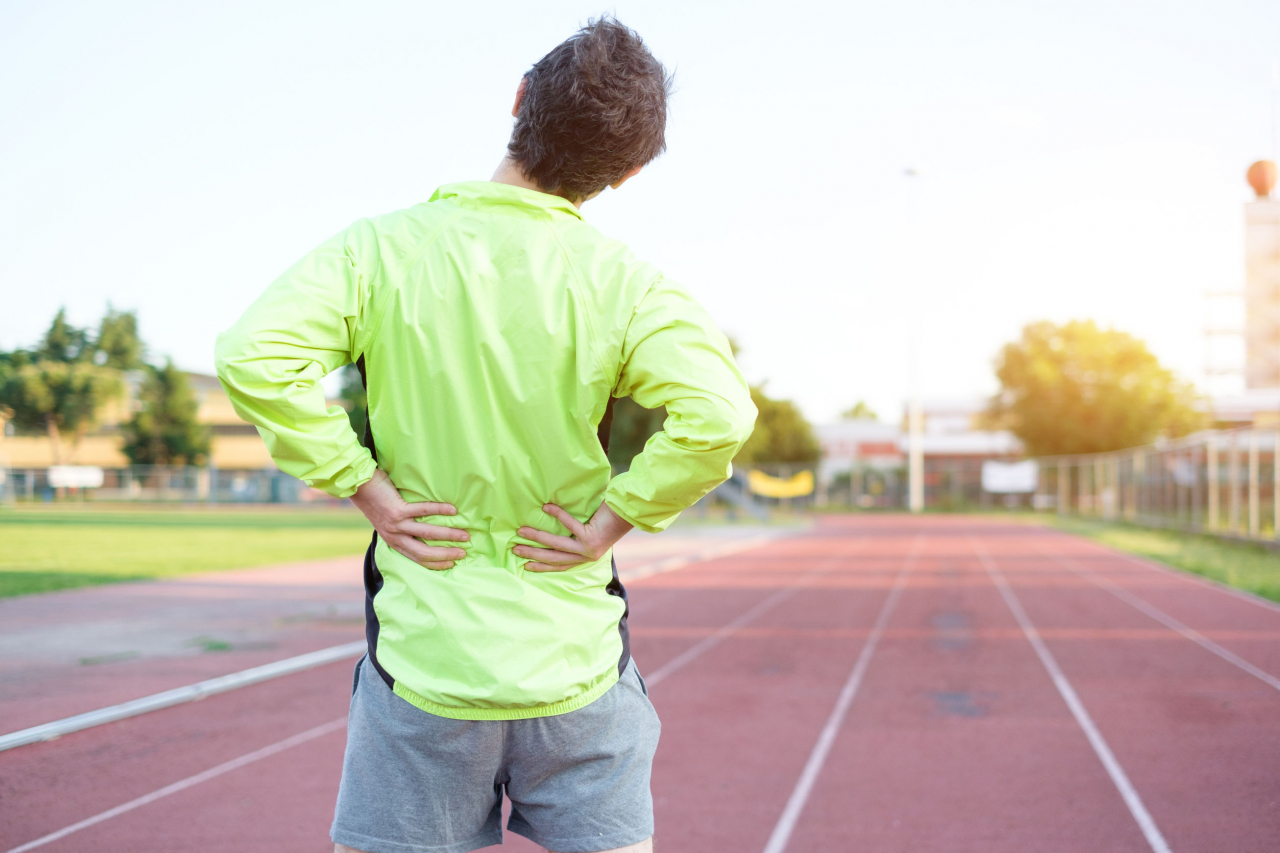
1118	777
680	561
1180	574
809	776
707	643
190	693
1168	621
182	785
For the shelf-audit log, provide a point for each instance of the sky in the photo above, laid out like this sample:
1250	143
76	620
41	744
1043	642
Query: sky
1081	160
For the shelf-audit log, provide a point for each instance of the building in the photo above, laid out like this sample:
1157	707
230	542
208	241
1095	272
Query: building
1258	407
239	467
866	459
1256	334
235	444
1262	280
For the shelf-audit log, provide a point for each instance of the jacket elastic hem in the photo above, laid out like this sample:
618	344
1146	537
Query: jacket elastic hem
562	707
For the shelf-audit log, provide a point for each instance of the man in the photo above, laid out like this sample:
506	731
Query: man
493	327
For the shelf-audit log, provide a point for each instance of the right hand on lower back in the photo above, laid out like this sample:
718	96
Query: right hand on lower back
393	517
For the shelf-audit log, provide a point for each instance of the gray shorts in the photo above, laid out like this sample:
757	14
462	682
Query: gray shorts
413	782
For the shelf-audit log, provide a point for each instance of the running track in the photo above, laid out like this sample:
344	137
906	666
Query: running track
875	684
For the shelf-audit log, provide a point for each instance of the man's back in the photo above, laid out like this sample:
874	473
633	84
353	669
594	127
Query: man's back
493	350
494	325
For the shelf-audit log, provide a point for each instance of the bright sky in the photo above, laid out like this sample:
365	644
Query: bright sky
1081	159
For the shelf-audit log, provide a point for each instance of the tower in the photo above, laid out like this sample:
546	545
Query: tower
1262	279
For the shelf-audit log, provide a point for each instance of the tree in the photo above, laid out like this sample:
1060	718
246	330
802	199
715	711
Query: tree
56	387
354	398
632	426
781	434
860	412
1076	388
64	342
164	430
117	344
58	397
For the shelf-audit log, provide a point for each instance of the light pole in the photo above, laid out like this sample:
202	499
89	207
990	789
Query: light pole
915	416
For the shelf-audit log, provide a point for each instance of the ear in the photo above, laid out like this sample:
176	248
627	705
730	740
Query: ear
515	110
626	177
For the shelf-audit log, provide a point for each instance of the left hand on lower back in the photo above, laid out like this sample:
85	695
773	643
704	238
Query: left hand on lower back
588	543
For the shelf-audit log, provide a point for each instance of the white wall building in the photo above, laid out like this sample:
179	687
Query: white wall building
954	449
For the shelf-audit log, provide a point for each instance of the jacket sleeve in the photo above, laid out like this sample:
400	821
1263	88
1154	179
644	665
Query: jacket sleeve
272	360
674	356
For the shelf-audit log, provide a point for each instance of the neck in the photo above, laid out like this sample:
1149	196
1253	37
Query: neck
509	173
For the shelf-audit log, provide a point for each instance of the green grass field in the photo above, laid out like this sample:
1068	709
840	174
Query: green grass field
47	548
1239	564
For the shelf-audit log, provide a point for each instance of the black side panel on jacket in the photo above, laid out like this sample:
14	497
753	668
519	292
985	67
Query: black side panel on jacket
372	584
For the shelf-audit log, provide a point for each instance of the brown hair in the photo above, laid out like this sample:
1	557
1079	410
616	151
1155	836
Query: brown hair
594	108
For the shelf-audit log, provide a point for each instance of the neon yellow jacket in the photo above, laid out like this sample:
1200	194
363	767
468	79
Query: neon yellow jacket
494	324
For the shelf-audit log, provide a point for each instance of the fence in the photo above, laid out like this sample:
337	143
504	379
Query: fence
169	483
951	482
1219	482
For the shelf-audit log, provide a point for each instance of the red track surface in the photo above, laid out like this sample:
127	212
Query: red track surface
956	738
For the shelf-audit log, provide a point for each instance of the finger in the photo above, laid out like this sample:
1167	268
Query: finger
421	553
575	526
551	540
433	553
542	555
419	510
433	531
436	565
543	567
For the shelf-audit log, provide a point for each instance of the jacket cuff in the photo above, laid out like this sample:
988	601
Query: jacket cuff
619	502
352	477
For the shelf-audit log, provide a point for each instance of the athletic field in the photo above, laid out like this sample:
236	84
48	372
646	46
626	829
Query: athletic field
873	683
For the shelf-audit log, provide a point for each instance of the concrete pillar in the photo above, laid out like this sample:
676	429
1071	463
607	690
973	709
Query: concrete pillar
1233	485
1211	452
1099	484
1135	469
1113	488
915	456
1064	486
1254	509
1275	486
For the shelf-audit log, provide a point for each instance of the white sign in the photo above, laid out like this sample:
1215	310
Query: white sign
75	477
1010	478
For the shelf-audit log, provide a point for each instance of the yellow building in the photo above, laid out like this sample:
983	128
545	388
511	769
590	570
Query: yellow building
236	445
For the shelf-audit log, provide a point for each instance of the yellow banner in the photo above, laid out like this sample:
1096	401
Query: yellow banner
776	487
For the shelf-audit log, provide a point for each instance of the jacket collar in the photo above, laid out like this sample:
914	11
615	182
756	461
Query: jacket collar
508	200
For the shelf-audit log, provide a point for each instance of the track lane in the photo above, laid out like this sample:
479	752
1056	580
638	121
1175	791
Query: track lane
62	782
1201	605
791	812
739	723
48	786
1143	605
1196	734
958	740
741	719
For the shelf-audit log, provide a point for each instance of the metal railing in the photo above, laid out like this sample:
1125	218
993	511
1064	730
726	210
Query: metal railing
164	483
1220	482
